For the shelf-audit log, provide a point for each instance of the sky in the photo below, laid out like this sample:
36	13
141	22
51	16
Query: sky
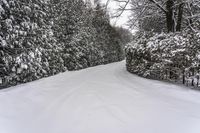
120	21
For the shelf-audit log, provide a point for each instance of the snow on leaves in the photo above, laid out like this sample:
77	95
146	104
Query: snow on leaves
164	56
42	38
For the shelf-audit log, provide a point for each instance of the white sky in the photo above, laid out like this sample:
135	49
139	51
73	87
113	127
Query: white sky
121	21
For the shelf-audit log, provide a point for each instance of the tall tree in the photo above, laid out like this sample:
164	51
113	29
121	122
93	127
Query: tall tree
174	11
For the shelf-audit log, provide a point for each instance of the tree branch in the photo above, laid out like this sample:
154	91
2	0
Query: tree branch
123	8
158	5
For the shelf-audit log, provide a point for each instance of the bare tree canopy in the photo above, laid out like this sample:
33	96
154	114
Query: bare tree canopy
176	14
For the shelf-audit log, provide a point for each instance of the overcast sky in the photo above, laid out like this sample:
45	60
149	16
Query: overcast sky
112	7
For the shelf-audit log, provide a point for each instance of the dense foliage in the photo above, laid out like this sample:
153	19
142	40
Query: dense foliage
165	56
41	38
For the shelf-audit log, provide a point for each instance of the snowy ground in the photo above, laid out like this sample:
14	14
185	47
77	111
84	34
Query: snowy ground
102	99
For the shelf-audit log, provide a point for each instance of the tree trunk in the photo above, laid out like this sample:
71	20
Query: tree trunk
180	16
192	82
170	16
190	19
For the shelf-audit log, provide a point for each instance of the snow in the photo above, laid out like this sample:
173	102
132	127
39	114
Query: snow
102	99
6	3
24	66
2	42
1	10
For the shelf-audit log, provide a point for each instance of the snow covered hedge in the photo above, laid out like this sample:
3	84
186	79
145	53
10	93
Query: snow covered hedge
171	56
39	39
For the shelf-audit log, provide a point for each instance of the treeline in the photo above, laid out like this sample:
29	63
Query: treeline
165	56
167	44
40	38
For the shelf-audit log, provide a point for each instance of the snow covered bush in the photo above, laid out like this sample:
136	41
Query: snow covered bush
42	38
164	56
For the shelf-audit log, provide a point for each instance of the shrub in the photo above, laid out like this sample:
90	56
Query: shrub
164	56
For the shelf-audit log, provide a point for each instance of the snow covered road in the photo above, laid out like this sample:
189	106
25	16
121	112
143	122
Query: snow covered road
102	99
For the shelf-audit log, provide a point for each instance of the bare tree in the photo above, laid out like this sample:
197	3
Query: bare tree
173	11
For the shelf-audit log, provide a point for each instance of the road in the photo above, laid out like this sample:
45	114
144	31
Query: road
101	99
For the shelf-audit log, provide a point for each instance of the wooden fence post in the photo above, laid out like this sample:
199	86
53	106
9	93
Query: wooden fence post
183	76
